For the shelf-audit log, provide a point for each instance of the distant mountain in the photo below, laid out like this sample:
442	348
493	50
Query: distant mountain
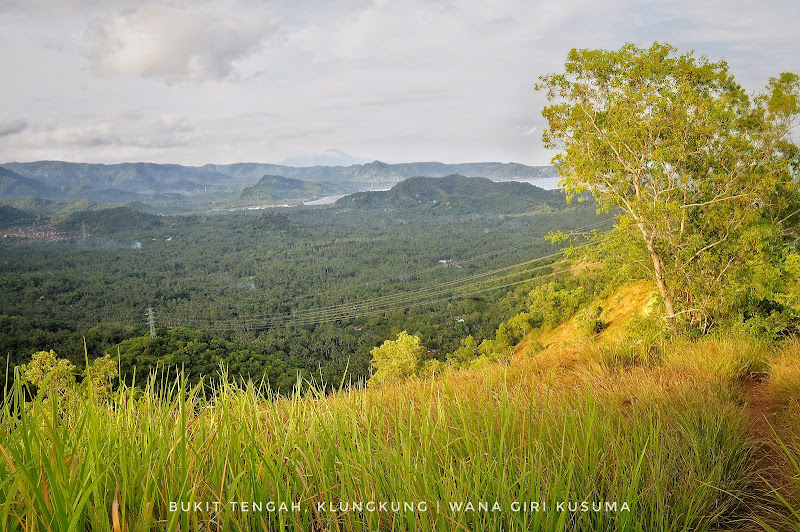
144	178
456	194
276	187
330	157
378	172
14	185
176	188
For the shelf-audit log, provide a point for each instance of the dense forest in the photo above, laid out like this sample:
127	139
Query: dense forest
277	292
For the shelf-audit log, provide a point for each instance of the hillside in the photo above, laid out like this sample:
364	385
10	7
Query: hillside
520	444
624	304
16	186
47	207
11	217
276	187
456	194
110	221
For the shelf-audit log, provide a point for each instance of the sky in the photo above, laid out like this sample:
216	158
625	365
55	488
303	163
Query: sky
331	82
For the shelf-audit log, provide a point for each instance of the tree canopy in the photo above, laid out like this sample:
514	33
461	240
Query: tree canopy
703	176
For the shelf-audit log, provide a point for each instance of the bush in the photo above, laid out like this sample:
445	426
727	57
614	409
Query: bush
589	321
551	303
396	360
642	345
49	373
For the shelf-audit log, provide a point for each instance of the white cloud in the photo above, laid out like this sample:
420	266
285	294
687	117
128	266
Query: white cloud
12	126
171	130
174	123
193	44
413	80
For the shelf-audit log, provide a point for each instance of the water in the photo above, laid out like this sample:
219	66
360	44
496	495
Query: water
327	200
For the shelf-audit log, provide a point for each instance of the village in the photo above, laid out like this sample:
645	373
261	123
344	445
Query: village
44	233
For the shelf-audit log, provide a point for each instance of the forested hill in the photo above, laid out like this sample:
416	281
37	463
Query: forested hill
129	222
15	186
106	222
275	187
457	194
11	217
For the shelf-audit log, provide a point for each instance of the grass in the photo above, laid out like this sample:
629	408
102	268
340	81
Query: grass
666	440
783	389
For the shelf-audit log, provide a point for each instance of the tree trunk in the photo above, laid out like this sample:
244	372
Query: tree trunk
662	285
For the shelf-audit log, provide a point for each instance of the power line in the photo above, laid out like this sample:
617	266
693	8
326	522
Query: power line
398	297
422	296
461	262
361	313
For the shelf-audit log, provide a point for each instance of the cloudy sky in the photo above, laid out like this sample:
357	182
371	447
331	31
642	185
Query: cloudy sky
261	80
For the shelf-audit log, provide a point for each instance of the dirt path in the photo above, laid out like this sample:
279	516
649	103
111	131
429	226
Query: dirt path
768	464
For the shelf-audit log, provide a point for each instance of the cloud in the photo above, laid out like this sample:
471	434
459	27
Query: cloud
87	136
12	127
176	44
174	123
413	80
172	130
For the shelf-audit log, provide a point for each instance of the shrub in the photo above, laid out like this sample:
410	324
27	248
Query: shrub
589	321
396	360
49	373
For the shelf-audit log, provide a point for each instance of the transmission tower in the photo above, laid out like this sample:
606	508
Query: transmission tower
151	320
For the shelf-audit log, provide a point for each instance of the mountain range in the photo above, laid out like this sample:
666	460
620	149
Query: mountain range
177	187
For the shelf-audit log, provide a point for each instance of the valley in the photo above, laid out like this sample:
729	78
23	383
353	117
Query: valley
308	290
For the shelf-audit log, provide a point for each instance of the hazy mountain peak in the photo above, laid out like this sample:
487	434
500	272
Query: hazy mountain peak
330	157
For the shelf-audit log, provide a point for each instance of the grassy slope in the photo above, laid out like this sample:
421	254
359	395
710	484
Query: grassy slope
670	438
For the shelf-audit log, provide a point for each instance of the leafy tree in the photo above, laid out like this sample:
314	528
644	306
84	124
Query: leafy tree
702	176
396	360
467	352
53	374
100	374
49	373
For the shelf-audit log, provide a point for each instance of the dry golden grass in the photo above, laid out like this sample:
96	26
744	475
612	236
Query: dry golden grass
561	342
784	376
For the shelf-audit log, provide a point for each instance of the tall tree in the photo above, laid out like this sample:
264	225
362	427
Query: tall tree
703	176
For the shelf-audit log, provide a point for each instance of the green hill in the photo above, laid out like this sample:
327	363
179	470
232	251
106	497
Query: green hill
47	207
276	187
11	217
457	194
116	220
